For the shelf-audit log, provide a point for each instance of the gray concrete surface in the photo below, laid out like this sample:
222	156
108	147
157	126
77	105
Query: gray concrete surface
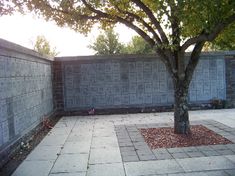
89	146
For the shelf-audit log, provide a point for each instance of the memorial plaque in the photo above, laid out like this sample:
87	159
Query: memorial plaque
147	76
147	98
132	67
163	98
125	99
162	86
148	87
117	100
155	85
170	98
116	77
156	98
132	87
133	99
132	76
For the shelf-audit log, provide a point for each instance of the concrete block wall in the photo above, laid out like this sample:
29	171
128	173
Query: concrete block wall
25	91
134	81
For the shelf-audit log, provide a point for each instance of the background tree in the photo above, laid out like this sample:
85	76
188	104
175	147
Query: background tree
107	43
43	47
138	45
169	26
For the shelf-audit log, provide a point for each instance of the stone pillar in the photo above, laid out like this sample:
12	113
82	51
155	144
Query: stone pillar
58	95
230	80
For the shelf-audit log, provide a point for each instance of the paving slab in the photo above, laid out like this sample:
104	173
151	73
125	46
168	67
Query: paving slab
104	142
54	140
152	167
231	158
76	147
113	169
29	168
195	154
69	174
190	174
230	172
205	163
71	163
77	137
103	155
46	153
130	158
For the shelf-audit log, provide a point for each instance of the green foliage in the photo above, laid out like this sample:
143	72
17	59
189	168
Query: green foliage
107	43
178	19
138	46
224	41
43	47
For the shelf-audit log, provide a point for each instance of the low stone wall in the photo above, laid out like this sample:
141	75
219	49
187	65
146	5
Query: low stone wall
25	92
131	81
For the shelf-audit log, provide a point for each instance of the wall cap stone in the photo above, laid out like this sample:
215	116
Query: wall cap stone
135	56
7	45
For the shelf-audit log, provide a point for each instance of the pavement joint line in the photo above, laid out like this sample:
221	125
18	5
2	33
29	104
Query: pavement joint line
62	147
120	150
93	127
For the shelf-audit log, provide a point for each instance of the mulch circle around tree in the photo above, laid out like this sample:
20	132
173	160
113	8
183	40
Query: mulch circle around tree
165	138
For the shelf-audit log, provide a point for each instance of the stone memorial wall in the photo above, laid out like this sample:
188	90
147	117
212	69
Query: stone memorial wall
135	82
33	86
25	91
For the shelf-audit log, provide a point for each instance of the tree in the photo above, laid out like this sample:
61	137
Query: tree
169	26
224	41
43	47
138	46
107	43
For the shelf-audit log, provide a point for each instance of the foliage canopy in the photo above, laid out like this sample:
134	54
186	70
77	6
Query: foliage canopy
138	45
107	43
43	46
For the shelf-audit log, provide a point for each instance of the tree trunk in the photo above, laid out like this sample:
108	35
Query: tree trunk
181	116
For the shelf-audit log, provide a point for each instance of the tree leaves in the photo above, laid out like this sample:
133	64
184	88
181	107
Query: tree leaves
42	46
107	43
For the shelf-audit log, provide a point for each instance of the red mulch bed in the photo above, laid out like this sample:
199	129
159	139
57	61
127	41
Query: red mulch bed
165	137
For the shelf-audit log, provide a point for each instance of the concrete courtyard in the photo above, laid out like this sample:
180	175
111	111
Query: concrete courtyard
111	145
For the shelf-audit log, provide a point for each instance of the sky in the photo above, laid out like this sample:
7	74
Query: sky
24	29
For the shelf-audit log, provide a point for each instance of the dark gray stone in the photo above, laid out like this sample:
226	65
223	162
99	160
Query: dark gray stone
195	154
179	155
210	153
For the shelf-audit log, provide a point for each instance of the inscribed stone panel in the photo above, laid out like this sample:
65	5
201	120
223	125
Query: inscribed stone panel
140	88
148	87
147	98
156	98
132	87
133	99
125	99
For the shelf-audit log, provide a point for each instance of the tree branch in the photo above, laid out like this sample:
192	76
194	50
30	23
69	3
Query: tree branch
193	61
212	35
144	23
153	19
143	34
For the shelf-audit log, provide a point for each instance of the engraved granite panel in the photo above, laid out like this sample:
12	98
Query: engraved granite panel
25	95
117	83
